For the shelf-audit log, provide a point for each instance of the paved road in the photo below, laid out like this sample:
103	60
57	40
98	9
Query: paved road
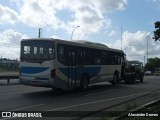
100	96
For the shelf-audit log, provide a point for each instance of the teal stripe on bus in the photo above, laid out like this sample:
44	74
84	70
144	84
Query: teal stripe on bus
33	70
76	73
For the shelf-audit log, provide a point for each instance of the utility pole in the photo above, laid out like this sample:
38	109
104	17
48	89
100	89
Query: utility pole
147	47
40	32
144	60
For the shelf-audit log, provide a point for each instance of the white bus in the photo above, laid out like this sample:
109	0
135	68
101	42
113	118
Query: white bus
56	63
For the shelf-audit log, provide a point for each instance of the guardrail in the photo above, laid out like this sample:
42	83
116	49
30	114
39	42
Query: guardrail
8	77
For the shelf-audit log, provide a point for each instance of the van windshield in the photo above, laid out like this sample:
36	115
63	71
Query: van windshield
37	50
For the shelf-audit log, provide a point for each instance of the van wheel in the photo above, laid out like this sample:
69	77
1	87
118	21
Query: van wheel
132	79
84	83
141	77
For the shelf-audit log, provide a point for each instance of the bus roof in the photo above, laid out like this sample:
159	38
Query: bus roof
82	43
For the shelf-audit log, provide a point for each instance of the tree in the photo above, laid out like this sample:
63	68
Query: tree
157	31
152	64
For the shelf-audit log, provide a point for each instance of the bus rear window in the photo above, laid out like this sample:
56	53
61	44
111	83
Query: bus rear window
37	50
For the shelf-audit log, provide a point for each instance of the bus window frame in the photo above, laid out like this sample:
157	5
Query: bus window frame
32	52
88	56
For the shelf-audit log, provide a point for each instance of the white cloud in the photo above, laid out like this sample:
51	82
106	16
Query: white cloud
112	33
56	37
110	5
38	13
89	20
10	43
90	15
87	14
7	15
135	45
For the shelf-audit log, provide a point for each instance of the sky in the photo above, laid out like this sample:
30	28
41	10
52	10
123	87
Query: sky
111	22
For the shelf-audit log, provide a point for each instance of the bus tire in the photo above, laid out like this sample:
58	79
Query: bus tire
141	78
57	90
84	82
126	81
115	79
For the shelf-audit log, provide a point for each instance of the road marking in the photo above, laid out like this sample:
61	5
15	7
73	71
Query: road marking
27	107
155	91
99	92
99	101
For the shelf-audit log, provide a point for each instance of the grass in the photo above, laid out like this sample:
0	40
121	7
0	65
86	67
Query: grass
8	69
151	109
130	107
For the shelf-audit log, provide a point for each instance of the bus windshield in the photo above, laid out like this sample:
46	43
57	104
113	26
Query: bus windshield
37	50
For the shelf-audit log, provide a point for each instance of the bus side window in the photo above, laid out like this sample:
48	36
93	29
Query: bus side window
88	57
71	55
97	57
104	57
119	60
61	54
115	59
51	52
79	56
110	58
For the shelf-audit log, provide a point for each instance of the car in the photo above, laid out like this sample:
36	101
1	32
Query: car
157	73
147	73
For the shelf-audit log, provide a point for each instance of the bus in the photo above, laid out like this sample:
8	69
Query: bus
62	64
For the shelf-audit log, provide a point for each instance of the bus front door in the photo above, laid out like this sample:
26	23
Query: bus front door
72	69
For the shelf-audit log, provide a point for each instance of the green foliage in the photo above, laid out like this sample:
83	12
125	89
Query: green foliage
157	31
152	64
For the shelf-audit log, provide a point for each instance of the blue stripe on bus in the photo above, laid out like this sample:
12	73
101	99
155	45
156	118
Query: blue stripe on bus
33	70
76	73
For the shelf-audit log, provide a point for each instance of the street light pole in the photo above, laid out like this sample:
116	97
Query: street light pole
73	31
147	47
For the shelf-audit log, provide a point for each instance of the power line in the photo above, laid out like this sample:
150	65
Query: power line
24	31
9	45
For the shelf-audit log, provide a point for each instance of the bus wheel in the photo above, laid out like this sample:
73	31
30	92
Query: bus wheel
115	79
141	79
84	83
126	81
57	90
